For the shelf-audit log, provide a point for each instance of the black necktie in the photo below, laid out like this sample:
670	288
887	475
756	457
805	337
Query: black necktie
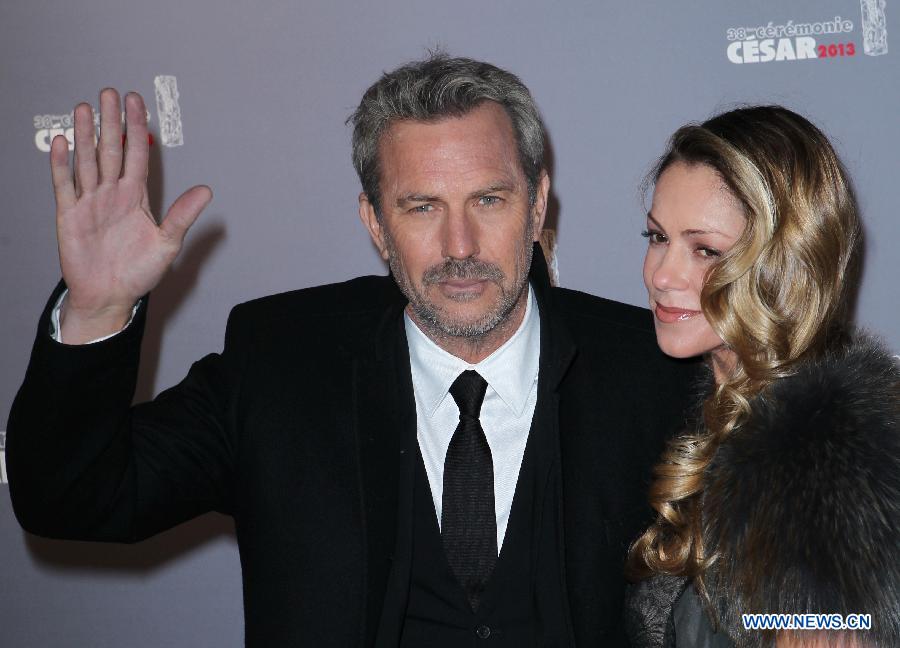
468	520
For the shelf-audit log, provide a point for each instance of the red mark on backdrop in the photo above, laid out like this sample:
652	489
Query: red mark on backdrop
149	139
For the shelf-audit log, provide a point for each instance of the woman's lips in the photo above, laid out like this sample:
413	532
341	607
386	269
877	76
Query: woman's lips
670	315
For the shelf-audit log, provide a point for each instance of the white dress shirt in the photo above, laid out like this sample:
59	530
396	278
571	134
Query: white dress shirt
56	329
512	376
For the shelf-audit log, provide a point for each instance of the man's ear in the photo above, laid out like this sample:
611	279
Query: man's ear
539	209
373	224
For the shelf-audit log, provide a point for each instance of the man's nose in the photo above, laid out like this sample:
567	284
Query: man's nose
460	236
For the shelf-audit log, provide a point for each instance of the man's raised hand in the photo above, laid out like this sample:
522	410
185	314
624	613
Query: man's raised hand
111	249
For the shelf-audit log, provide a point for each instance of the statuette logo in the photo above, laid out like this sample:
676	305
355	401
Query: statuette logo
3	457
874	27
168	110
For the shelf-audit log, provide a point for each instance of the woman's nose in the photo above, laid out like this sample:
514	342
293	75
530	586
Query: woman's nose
671	271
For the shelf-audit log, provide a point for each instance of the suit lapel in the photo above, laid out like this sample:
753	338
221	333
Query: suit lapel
558	350
384	415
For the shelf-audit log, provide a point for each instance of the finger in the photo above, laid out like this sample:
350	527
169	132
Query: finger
109	151
184	211
63	189
136	145
85	151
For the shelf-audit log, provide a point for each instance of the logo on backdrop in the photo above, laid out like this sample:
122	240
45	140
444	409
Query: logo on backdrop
3	457
796	41
168	115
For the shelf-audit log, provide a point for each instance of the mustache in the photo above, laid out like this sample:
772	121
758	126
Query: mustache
462	269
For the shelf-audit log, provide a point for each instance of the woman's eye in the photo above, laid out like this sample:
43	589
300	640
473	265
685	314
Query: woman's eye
709	253
654	237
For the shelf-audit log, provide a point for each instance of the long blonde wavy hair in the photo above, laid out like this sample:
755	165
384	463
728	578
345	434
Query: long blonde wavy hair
778	297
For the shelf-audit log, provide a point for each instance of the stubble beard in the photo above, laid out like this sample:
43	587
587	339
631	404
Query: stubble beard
437	322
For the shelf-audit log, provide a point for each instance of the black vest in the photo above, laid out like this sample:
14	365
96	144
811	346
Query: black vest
522	604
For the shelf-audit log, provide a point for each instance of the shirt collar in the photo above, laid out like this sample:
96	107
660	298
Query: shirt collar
510	370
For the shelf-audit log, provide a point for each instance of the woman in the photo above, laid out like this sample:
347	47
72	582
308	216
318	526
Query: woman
753	238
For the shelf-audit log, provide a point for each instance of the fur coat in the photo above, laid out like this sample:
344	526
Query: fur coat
802	505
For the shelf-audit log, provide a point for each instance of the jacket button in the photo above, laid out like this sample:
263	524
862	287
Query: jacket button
483	632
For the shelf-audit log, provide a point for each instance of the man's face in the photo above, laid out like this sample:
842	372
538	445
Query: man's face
456	227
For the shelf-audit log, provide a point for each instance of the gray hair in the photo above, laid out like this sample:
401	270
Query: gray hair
436	88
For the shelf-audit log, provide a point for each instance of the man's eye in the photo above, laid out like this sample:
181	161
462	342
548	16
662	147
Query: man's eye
421	209
487	201
654	237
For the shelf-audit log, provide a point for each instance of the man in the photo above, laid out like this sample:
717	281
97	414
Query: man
454	456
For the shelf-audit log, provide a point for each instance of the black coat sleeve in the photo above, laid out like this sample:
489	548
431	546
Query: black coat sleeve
83	463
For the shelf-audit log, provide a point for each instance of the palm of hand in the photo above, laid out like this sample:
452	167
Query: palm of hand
112	251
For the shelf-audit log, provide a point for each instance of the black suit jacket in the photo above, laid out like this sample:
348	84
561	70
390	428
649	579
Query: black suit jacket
304	430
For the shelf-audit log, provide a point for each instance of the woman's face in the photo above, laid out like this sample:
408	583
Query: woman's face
693	220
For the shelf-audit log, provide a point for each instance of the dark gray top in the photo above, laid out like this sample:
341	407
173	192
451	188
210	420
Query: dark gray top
666	612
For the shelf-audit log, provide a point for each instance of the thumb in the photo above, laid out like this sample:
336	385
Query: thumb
184	211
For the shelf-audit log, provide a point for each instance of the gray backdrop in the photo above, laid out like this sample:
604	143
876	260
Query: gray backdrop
263	89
